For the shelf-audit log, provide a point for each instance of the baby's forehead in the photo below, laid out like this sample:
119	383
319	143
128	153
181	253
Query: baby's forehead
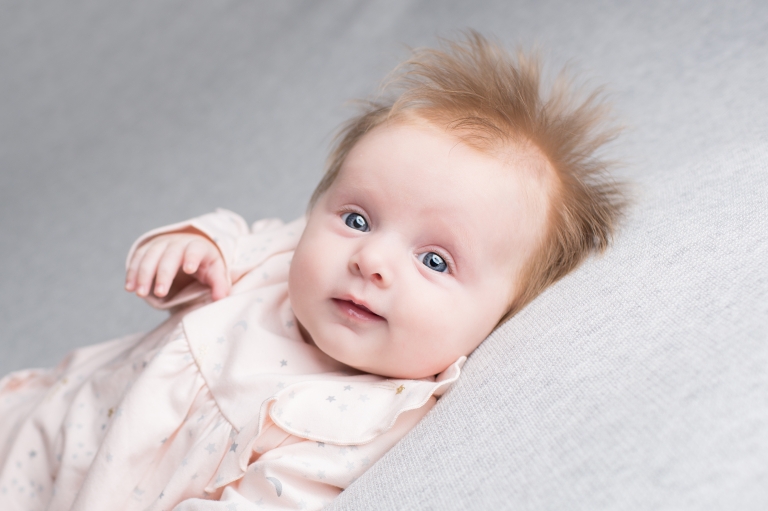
521	157
416	169
436	154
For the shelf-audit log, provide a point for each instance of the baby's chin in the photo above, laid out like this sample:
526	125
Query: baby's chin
307	337
387	371
402	373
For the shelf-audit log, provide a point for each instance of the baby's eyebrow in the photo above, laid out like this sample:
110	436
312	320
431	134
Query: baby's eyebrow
457	240
353	194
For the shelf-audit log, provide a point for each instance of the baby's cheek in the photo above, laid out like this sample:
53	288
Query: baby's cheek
297	285
427	325
452	330
306	284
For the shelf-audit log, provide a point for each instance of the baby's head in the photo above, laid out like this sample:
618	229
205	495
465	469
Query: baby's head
448	208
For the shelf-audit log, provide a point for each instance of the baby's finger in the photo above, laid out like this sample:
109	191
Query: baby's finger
196	251
148	266
216	277
133	268
168	267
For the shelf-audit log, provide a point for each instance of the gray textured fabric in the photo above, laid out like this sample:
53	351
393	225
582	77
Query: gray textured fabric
638	382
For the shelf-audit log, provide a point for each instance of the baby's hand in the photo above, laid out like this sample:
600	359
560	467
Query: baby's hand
175	258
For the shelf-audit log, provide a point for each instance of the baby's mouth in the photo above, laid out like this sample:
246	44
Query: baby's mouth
356	310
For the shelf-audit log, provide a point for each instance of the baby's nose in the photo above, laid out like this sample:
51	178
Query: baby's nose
372	262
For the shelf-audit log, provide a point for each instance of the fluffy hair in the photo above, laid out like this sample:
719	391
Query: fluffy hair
492	101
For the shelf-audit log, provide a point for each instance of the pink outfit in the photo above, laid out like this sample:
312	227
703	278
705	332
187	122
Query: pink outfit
222	401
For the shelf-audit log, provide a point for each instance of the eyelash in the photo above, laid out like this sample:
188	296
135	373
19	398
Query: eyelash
352	209
448	260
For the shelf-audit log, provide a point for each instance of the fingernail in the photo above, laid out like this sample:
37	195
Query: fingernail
128	286
159	290
141	291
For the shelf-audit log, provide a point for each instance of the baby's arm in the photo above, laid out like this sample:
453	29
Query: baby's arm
176	258
207	256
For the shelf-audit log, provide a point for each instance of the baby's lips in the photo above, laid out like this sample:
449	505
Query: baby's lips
359	302
357	310
361	306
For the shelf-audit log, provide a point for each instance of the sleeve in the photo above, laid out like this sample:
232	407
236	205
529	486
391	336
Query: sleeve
242	248
305	474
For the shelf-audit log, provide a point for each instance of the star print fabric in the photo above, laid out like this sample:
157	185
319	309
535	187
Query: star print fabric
223	406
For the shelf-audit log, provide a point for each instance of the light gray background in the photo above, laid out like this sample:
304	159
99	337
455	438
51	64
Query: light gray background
119	117
638	382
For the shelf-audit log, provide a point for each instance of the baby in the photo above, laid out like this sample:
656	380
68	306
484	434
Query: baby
296	355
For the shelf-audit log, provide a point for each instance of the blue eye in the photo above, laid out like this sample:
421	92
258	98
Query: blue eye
434	262
355	221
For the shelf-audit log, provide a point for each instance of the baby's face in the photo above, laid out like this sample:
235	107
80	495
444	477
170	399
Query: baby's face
410	258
